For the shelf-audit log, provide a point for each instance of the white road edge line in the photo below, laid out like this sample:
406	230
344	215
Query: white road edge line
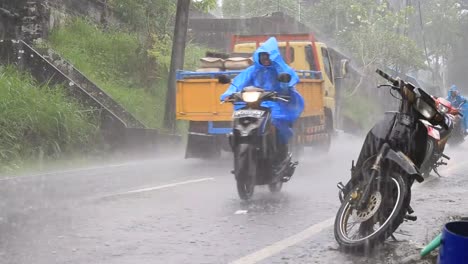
279	246
163	186
170	185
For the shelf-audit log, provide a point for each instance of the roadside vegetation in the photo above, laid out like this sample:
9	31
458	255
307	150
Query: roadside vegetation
114	60
40	122
129	61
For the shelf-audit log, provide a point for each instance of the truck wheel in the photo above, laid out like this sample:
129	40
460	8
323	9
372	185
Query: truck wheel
297	150
325	145
202	147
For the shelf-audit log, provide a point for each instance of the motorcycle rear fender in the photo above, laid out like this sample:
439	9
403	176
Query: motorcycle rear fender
405	163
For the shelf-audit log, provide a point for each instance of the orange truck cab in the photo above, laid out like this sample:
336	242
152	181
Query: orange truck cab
198	94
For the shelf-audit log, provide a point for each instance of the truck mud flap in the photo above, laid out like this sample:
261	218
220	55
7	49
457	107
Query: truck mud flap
202	146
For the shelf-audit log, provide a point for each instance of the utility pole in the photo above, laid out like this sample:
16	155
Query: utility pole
299	5
177	62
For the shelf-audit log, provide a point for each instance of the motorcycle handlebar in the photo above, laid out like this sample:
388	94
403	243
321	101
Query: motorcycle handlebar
273	95
281	99
387	77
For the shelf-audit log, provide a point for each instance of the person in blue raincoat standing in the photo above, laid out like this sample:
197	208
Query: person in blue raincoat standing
268	64
457	100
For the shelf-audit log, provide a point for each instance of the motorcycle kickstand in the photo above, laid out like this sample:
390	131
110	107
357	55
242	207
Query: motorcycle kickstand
394	238
437	172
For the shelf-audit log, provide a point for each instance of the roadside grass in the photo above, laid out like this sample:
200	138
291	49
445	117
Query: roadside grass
39	122
113	59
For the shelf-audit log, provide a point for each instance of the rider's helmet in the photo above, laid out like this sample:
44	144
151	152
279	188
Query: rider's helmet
264	58
453	91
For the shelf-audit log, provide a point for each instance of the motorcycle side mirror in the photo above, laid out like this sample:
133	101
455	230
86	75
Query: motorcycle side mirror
284	77
224	79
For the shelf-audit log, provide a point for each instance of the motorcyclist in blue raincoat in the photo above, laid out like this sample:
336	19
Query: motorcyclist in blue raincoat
458	100
268	64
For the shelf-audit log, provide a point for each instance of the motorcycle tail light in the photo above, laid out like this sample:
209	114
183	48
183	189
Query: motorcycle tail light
442	108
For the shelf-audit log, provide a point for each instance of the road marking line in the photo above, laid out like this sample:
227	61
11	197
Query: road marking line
279	246
162	186
170	185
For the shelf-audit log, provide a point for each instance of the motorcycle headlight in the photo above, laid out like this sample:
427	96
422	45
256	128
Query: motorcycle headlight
250	97
425	109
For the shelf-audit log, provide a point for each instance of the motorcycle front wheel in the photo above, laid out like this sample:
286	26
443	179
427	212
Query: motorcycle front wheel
245	170
359	230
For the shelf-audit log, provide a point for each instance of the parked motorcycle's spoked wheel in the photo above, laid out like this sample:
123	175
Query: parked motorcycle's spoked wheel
245	170
360	229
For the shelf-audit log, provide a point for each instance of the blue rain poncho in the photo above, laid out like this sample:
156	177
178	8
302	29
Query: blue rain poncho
456	101
266	77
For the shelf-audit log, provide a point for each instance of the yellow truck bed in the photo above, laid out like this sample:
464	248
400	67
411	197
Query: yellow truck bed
197	99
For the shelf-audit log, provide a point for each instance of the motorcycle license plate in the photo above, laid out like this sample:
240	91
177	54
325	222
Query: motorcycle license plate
248	113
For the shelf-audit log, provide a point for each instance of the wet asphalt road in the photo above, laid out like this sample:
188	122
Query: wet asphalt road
180	211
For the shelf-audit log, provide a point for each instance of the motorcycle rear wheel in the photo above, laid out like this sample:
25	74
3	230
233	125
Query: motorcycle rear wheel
390	210
275	187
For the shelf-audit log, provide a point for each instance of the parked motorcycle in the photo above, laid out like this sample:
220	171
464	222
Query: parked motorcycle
254	141
376	200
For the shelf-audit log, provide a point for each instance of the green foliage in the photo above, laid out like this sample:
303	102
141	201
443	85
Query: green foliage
162	49
111	60
113	53
193	54
153	16
372	32
205	5
161	52
442	21
153	21
253	8
146	16
39	122
362	109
